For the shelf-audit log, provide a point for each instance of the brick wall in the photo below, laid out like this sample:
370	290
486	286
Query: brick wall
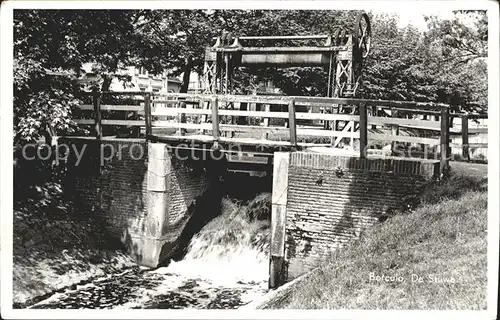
114	192
331	199
117	193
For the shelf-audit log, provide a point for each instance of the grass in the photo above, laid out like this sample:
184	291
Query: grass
443	238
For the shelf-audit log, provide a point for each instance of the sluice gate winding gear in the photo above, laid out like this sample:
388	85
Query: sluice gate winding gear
342	54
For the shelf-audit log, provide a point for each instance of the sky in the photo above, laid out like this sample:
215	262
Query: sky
414	14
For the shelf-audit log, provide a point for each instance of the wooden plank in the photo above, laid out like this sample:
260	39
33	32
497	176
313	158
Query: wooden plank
201	138
176	111
255	114
109	122
164	101
108	107
416	111
300	100
369	102
285	115
409	139
242	141
421	124
470	145
327	133
363	130
326	116
170	124
259	114
478	145
113	122
477	130
255	142
292	123
477	116
244	128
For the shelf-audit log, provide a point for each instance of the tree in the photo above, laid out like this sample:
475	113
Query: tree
174	40
444	64
458	49
48	42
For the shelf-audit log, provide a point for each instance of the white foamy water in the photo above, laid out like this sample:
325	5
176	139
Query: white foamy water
232	247
230	252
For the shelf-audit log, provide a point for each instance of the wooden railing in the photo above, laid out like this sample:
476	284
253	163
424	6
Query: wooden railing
466	131
219	118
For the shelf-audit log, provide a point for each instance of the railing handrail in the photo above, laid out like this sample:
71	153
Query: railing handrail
277	99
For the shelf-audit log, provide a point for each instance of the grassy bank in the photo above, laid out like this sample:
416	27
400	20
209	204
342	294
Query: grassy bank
433	257
55	245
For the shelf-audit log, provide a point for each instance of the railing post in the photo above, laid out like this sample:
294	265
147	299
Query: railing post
147	115
267	108
181	118
394	131
465	137
97	115
445	143
204	105
363	131
374	114
215	118
292	124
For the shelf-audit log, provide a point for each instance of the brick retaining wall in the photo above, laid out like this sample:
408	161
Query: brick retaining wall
332	198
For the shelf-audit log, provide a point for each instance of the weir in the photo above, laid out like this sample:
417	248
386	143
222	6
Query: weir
339	164
322	199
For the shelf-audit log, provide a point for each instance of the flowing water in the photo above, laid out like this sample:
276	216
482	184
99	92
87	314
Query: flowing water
226	266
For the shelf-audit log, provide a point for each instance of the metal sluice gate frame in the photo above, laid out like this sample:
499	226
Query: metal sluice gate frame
342	54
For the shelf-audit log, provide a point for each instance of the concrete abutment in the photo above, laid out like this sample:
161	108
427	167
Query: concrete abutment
144	195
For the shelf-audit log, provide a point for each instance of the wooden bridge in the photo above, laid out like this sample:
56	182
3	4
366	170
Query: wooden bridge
249	129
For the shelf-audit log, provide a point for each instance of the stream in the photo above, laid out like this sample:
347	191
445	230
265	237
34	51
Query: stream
226	266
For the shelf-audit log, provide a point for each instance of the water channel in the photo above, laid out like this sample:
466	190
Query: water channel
226	266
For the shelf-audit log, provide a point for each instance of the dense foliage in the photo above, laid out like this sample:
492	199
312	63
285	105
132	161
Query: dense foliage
446	63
